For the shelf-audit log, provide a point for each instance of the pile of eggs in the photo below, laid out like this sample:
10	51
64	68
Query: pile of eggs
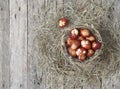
82	44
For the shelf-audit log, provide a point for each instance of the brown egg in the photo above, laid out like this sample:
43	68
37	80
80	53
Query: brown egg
96	45
75	44
81	51
63	22
91	38
69	41
86	44
84	32
74	33
82	57
90	52
72	52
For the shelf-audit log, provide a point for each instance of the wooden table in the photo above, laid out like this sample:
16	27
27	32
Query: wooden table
18	64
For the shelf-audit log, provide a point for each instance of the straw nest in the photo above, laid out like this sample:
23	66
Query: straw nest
47	42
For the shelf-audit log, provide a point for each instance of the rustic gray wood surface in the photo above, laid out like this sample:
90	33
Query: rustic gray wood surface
18	64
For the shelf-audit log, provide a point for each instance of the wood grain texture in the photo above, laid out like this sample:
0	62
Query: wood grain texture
18	44
19	68
4	44
33	8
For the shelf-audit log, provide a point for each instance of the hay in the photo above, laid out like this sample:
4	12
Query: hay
47	43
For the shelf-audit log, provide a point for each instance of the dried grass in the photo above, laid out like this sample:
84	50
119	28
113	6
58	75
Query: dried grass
47	42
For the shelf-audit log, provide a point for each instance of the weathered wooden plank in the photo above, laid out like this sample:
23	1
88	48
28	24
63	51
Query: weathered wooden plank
0	57
18	44
4	44
33	8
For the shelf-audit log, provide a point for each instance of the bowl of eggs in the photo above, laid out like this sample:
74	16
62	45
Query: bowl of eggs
82	43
